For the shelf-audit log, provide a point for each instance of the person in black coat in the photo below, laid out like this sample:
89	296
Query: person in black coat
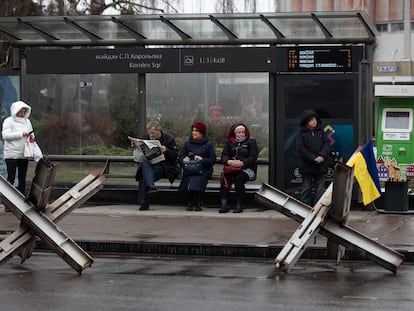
240	152
198	147
148	173
313	149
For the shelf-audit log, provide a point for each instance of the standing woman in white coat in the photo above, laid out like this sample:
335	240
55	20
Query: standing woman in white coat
16	130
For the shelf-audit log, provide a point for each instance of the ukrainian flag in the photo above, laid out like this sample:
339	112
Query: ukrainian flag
366	173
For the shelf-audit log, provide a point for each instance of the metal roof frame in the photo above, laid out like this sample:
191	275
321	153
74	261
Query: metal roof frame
189	29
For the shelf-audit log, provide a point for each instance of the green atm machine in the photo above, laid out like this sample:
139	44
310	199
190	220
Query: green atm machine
395	143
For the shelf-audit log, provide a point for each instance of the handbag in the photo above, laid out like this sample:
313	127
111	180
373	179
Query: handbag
228	169
192	168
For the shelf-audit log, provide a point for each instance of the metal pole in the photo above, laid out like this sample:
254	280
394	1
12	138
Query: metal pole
407	30
80	116
142	105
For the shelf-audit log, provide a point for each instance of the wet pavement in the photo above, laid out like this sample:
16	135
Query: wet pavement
177	283
173	230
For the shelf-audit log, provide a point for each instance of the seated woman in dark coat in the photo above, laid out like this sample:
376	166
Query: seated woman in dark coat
199	148
240	154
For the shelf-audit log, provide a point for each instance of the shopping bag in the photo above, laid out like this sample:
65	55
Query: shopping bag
37	152
32	150
28	148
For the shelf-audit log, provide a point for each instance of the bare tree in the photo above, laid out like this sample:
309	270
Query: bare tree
236	6
75	7
98	7
250	6
225	6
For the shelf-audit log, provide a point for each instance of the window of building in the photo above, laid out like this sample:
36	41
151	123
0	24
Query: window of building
382	27
395	27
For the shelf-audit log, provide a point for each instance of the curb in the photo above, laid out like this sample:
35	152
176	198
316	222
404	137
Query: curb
215	250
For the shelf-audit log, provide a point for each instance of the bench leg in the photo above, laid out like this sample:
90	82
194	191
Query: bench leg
140	183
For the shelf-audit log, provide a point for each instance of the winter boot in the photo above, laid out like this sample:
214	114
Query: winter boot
200	202
239	208
199	206
224	207
191	201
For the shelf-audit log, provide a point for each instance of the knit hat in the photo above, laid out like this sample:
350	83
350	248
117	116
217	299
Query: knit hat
201	126
241	126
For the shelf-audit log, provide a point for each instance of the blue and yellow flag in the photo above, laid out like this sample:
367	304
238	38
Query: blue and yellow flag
366	173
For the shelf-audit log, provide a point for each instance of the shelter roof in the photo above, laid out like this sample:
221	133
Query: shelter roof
189	29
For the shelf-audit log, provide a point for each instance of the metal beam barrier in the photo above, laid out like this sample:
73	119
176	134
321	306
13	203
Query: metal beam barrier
39	220
343	234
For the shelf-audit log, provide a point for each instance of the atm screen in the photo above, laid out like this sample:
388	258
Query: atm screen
400	120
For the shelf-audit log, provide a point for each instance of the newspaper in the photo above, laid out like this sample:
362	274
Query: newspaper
138	145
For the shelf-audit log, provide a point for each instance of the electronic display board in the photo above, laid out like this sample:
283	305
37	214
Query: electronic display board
320	59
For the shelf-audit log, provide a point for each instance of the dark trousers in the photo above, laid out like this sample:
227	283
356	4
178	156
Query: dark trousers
21	166
239	179
310	181
150	174
195	198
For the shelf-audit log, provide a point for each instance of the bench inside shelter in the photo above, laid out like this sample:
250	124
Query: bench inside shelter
170	190
122	188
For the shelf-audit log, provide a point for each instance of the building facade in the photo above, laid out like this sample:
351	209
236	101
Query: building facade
394	20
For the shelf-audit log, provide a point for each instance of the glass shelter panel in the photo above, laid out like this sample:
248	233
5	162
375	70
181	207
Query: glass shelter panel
333	99
82	115
105	29
219	99
153	29
249	28
24	32
63	31
9	93
94	114
345	27
298	28
200	29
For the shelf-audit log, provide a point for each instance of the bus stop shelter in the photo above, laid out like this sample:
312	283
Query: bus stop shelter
314	60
